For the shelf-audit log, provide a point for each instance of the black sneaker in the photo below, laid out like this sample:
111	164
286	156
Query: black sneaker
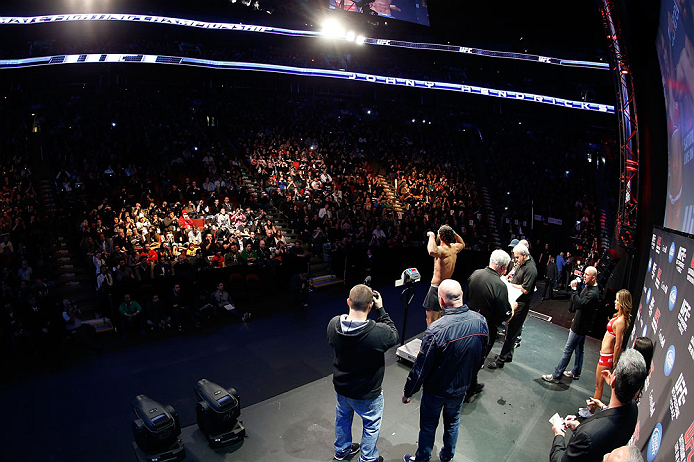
353	449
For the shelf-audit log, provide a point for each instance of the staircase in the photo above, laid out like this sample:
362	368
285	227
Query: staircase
391	193
491	217
318	268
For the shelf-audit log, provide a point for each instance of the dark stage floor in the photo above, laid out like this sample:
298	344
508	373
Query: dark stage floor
74	406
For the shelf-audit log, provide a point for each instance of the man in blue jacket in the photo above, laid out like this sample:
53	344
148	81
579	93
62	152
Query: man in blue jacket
452	352
359	345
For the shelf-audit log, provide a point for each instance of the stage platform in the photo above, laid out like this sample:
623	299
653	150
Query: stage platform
508	421
72	406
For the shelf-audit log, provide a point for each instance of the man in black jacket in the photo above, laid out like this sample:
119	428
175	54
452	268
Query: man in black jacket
608	429
584	306
359	345
488	295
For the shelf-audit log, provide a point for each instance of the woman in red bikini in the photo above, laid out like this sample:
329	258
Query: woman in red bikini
612	341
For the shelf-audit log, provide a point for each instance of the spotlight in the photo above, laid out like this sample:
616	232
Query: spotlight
156	430
360	39
333	29
218	410
350	36
113	124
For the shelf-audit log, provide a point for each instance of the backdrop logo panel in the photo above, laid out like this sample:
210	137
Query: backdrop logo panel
654	442
664	310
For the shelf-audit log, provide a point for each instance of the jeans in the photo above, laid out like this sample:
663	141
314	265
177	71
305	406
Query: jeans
370	411
575	342
429	412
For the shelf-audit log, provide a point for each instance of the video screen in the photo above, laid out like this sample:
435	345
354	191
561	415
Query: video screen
406	10
676	55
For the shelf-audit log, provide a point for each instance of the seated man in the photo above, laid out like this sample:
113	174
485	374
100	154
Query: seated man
182	309
233	256
131	314
162	269
610	428
155	314
249	256
220	298
218	260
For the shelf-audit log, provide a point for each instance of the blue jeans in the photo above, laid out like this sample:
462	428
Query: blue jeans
429	412
370	411
573	343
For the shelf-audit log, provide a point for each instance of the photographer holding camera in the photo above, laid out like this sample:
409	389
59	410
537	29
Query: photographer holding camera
359	345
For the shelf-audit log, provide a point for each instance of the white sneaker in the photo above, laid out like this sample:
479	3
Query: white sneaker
549	378
571	375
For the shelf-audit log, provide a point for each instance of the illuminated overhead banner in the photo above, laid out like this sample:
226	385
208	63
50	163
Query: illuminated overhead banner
57	18
665	429
96	58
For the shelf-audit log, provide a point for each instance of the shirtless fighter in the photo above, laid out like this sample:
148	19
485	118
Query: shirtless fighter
445	256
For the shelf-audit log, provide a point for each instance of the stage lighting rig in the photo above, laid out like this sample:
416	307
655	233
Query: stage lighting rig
156	430
218	410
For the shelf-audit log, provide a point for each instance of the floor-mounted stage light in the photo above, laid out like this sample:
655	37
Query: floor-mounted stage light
218	410
156	430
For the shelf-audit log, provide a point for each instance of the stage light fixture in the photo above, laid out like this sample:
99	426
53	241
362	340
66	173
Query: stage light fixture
333	29
360	40
218	410
350	36
156	430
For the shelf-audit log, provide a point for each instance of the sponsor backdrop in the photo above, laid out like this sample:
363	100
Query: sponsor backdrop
665	429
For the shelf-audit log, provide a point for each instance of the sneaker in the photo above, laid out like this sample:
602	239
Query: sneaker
584	412
410	458
353	449
549	378
444	459
246	317
571	375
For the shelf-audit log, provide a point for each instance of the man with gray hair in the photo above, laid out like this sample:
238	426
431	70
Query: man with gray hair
611	428
488	295
359	345
624	454
524	279
585	307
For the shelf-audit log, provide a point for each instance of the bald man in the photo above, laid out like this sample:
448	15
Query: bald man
584	305
453	348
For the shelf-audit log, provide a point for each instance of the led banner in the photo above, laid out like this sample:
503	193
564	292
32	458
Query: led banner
96	58
109	17
665	428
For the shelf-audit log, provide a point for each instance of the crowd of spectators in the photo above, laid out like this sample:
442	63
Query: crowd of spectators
564	190
29	317
164	195
170	198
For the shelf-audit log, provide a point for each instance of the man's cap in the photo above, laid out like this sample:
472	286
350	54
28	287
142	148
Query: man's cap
514	243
